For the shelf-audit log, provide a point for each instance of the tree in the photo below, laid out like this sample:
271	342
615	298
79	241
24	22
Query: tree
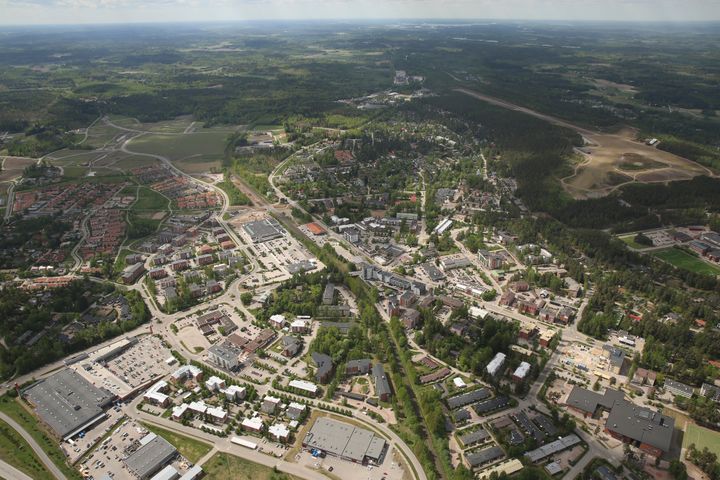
246	298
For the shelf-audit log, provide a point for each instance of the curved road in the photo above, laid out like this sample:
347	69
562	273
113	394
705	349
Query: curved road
11	473
34	445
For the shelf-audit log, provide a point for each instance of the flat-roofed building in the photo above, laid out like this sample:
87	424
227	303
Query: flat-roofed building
345	441
154	453
263	230
224	355
68	403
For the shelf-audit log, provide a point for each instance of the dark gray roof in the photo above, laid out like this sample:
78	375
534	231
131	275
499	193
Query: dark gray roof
324	365
263	230
461	415
641	424
686	389
150	457
468	398
553	448
473	437
481	457
362	365
66	402
382	386
482	408
588	401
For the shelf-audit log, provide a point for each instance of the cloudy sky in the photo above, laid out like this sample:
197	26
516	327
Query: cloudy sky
120	11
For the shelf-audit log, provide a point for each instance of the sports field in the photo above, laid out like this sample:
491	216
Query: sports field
684	260
702	437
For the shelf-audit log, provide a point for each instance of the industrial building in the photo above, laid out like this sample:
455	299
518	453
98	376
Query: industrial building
264	230
154	454
345	441
68	403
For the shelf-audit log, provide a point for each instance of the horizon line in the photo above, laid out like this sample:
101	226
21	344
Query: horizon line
361	21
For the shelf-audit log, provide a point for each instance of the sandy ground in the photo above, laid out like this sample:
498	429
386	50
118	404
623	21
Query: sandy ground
599	173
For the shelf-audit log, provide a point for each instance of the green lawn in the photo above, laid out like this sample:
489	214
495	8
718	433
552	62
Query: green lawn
189	448
630	241
682	259
229	467
12	408
702	437
209	144
149	199
16	451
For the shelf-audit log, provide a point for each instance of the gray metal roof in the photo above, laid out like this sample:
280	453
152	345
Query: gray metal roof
324	365
344	440
474	437
67	402
641	424
588	401
263	230
552	448
382	386
468	398
150	457
481	457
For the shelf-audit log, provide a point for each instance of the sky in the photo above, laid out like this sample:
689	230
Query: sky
24	12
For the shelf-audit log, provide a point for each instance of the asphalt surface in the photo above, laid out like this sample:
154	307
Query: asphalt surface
34	445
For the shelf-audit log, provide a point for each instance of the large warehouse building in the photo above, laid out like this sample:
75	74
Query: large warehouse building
345	441
263	230
153	454
68	403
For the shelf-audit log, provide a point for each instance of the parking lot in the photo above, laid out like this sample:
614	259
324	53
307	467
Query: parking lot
389	470
81	445
124	367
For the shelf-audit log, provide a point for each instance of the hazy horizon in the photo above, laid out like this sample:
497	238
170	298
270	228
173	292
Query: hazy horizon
89	12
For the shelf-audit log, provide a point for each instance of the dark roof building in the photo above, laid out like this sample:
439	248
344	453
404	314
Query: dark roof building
587	401
358	367
647	429
382	385
481	457
324	366
154	453
68	403
468	398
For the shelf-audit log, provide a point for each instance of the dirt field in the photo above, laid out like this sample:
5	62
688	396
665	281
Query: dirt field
612	160
12	167
600	173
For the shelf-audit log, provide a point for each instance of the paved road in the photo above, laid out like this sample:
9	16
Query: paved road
224	445
9	472
34	445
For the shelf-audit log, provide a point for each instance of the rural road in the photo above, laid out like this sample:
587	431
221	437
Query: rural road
36	448
9	472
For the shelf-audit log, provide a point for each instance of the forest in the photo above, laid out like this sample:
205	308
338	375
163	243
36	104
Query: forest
19	315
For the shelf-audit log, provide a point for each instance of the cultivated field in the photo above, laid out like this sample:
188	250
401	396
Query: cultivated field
682	259
702	437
